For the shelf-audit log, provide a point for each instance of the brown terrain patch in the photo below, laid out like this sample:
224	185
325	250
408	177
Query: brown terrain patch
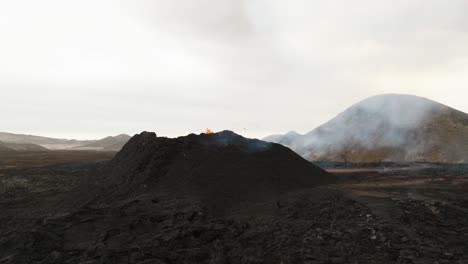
22	159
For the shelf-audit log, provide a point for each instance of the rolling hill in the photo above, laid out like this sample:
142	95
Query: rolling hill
51	143
5	146
114	143
108	143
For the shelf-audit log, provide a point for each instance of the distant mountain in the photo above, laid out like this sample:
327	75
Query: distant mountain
20	147
285	139
388	127
52	143
108	143
105	144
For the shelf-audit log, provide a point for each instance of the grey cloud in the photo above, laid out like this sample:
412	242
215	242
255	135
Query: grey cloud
264	65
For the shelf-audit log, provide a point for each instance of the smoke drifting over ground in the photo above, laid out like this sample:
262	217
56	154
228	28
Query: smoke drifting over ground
378	121
390	128
226	138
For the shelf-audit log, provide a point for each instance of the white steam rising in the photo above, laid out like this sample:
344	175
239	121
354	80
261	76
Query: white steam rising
386	127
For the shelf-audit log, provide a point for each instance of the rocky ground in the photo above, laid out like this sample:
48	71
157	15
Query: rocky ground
398	213
34	159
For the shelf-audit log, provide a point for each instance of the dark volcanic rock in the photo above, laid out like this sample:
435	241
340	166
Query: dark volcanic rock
221	198
222	170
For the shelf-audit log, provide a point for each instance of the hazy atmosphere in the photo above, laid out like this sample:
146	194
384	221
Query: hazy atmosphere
88	69
233	131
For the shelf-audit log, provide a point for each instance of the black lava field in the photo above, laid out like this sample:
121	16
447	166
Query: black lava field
222	198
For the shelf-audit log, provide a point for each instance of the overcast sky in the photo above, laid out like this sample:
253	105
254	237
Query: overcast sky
92	68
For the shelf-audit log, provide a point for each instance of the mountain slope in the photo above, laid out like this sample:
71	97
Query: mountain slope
42	141
110	143
106	144
389	128
5	146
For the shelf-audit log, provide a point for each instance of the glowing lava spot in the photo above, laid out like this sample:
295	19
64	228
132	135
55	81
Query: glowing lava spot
208	131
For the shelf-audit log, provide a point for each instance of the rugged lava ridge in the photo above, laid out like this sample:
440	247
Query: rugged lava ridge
221	170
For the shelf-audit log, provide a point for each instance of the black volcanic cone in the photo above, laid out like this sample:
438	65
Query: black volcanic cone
220	170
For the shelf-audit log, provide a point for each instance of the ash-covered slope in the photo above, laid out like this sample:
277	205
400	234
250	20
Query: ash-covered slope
221	170
389	128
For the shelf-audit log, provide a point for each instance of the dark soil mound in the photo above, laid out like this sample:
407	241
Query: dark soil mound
221	170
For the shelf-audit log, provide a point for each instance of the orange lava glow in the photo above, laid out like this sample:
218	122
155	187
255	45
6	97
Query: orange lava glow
208	131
